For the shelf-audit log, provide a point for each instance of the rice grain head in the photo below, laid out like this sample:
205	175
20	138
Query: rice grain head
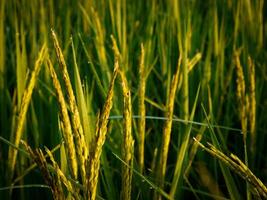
128	142
67	131
141	110
12	152
93	160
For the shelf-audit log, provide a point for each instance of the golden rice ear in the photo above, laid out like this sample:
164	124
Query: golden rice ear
168	126
141	110
67	131
252	104
12	152
93	161
241	93
80	144
128	142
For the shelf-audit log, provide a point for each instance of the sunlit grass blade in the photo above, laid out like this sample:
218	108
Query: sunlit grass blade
93	68
181	155
86	132
153	185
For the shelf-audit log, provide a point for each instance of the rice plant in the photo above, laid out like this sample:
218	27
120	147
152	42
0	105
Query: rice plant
125	99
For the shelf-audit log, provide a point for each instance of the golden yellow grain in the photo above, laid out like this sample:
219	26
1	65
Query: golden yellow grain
241	94
168	126
128	142
252	107
93	161
67	132
80	144
12	153
194	61
141	110
191	64
115	47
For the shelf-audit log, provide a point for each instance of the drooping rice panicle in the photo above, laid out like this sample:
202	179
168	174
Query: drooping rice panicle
53	181
234	163
33	166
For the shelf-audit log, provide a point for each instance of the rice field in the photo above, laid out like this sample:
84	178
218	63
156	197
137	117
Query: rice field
127	99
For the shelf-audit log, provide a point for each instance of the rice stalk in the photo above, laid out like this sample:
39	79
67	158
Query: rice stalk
12	152
21	61
67	130
128	142
93	161
193	151
115	48
235	164
185	71
141	110
2	46
181	155
168	126
80	144
191	64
